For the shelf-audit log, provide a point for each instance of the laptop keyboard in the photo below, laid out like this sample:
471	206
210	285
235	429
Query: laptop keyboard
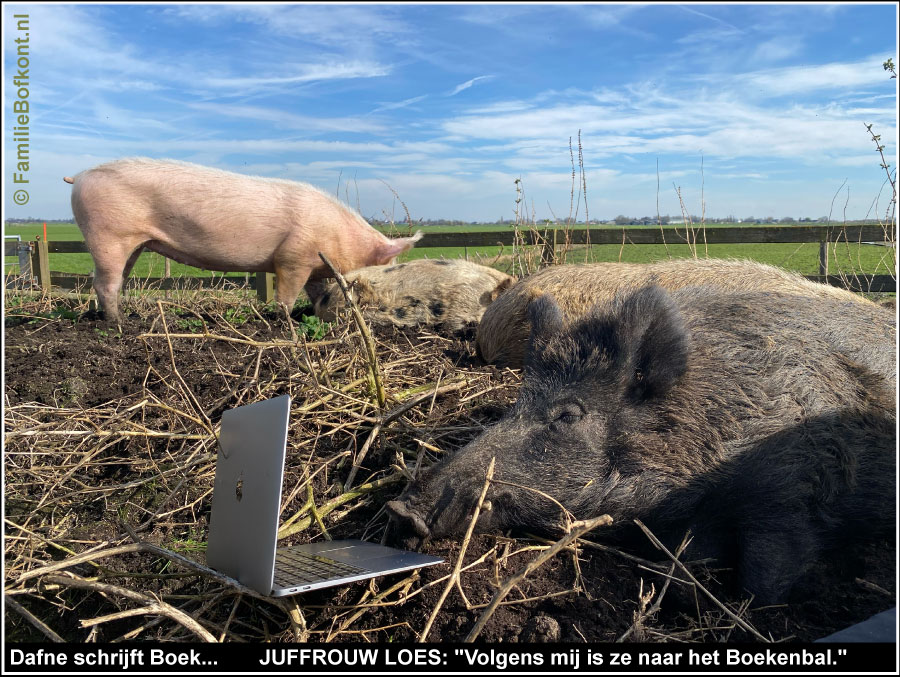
293	567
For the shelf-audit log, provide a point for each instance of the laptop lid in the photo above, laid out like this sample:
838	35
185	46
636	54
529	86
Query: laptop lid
246	497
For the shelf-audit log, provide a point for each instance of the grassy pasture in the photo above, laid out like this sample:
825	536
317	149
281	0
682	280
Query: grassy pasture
802	258
148	264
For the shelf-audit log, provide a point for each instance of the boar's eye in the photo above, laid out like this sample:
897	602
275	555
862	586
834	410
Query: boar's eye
567	415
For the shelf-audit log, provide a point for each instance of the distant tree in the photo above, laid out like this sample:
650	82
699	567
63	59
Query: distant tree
786	219
622	220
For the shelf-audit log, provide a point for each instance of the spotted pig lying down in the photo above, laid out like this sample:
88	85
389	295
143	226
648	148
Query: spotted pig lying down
763	422
429	292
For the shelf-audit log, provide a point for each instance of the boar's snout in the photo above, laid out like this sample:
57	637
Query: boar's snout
408	520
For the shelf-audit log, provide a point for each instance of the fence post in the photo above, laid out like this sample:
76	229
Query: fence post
548	248
823	257
265	287
23	251
40	264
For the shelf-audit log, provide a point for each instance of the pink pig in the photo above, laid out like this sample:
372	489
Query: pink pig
218	220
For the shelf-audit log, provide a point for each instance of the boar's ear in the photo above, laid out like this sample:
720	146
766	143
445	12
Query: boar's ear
364	292
653	332
546	320
502	287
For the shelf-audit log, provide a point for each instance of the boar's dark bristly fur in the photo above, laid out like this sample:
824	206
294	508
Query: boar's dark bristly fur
764	422
648	340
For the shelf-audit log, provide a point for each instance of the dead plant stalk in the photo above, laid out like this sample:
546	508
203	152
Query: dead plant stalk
737	619
454	576
368	343
577	529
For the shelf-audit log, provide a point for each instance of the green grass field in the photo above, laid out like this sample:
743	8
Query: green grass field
148	264
802	258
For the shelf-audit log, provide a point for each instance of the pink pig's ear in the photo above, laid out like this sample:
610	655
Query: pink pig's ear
389	249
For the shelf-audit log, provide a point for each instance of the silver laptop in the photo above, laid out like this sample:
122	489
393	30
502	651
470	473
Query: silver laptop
245	512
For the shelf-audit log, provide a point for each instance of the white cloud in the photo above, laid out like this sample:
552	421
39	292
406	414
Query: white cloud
776	49
68	37
499	16
288	120
798	80
174	147
399	104
500	107
605	16
709	116
334	24
715	19
124	85
854	160
533	123
303	73
468	83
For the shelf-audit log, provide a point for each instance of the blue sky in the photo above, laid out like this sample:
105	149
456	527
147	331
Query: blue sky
449	104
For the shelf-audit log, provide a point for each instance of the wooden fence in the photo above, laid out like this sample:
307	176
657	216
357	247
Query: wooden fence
548	239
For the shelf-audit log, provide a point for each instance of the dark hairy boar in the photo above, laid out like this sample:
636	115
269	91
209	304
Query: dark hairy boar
217	220
764	422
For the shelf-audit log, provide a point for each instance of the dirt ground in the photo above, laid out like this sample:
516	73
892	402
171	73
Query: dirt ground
108	441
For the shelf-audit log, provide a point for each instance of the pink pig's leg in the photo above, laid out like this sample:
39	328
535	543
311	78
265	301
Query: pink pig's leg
112	262
289	280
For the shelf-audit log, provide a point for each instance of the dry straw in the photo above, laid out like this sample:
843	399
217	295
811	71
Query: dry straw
106	505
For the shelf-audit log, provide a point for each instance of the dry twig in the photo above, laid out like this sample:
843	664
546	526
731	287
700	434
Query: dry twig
454	575
737	619
577	529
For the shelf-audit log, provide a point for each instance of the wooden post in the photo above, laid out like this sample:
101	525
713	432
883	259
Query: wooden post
265	287
823	257
23	252
40	263
548	248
